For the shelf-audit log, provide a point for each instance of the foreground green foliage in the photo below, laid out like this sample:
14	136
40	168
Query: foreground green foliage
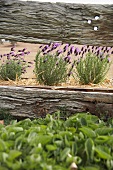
54	144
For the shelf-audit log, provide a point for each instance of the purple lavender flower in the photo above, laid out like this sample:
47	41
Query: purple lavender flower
99	48
12	48
72	49
24	49
109	60
77	50
106	48
20	51
67	59
8	56
72	65
98	52
65	47
28	52
56	45
12	52
82	48
82	53
57	63
68	53
102	48
30	62
41	46
69	74
22	54
85	50
48	51
4	54
45	48
59	52
45	52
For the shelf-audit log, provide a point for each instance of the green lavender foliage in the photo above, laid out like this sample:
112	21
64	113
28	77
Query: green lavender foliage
10	70
92	68
13	64
50	69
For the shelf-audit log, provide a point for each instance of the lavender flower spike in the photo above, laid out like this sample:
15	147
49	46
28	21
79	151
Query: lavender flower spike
59	52
72	49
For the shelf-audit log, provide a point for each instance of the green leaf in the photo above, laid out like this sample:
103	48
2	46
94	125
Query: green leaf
2	145
102	139
13	154
91	168
104	130
3	156
89	148
51	147
14	129
102	154
3	168
40	138
64	154
88	132
83	121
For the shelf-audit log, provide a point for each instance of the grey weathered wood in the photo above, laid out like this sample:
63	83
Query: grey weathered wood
36	102
39	22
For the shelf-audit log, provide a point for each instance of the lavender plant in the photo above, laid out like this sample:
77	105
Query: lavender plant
51	69
13	64
92	68
87	64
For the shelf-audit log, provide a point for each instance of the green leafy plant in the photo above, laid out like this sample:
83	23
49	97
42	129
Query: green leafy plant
92	68
51	143
50	69
13	64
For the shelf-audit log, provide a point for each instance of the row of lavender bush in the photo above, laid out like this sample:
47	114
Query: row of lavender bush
57	62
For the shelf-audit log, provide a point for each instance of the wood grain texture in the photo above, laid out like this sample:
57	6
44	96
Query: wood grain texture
38	22
36	102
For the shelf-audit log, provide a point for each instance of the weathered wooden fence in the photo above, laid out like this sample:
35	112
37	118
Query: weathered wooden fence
39	22
36	101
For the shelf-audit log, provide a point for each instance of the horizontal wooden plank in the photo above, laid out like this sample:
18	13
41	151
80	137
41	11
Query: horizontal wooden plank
43	22
36	102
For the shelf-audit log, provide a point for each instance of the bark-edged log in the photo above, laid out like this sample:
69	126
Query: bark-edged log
39	22
36	102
